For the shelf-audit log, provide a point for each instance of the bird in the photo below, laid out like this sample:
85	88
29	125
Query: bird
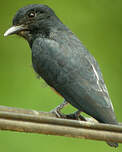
61	59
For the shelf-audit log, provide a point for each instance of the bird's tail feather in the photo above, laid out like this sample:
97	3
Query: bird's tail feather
112	122
112	144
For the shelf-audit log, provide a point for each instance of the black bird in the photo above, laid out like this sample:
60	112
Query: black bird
63	62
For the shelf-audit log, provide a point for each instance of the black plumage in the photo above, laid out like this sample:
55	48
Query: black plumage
63	62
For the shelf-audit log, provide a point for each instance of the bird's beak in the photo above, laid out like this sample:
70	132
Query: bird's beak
14	30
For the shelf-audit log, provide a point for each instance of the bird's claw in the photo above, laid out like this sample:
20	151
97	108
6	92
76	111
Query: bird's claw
58	114
57	110
73	116
76	116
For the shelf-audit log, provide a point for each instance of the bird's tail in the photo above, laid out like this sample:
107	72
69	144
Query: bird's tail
112	122
112	144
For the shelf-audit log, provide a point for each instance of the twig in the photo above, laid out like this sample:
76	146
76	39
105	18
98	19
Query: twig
33	121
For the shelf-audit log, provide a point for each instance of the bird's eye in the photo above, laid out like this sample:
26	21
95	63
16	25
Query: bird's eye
31	14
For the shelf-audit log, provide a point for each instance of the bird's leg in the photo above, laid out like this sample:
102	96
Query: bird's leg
76	116
59	108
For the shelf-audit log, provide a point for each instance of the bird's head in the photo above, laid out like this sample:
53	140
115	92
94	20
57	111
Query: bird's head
33	20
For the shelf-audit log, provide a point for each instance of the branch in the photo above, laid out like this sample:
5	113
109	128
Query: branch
32	121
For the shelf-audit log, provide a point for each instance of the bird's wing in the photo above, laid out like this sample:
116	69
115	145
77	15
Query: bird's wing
84	67
71	63
92	76
88	73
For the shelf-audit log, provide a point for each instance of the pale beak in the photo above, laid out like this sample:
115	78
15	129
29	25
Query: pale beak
14	30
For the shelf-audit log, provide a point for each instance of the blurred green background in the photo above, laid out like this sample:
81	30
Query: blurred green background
98	24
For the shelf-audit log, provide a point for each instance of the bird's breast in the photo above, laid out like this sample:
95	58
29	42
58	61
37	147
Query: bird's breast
52	69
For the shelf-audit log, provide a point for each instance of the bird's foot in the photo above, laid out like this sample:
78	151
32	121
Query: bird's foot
76	116
57	110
